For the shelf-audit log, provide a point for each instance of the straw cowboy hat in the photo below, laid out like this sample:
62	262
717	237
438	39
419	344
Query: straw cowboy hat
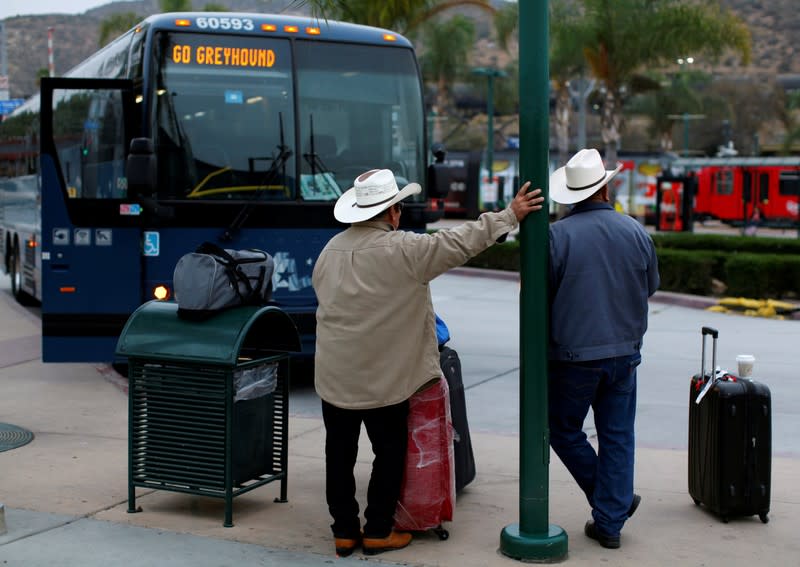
581	178
373	192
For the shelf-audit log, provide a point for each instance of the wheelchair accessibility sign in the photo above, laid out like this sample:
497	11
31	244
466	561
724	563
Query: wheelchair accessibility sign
152	245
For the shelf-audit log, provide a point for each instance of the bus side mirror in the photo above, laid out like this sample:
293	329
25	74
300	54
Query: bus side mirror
438	173
140	168
438	181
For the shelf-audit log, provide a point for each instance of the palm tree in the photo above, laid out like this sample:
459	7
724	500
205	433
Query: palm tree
404	16
446	57
566	63
447	46
115	25
566	59
621	38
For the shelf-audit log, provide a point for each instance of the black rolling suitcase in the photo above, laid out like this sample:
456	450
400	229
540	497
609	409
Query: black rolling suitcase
730	441
463	456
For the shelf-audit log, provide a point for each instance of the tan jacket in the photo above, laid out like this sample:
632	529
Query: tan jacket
376	335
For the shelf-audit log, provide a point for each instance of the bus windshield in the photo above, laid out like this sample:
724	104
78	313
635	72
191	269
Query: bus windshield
361	107
227	117
223	116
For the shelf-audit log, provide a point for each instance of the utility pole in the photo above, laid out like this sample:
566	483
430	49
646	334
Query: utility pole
490	73
534	539
4	86
51	65
580	89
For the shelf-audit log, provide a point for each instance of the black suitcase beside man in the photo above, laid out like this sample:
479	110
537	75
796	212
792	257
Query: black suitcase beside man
463	457
730	442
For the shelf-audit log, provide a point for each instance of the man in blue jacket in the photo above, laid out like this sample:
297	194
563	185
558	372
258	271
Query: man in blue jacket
603	268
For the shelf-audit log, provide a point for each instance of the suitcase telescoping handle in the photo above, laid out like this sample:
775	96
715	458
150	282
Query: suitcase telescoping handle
712	378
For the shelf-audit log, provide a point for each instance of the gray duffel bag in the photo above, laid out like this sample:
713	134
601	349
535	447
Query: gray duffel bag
211	279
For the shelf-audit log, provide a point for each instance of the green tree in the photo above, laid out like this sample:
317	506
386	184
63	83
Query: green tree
678	95
566	63
506	22
447	46
214	7
42	72
748	107
115	25
788	116
409	17
622	38
404	16
175	5
566	59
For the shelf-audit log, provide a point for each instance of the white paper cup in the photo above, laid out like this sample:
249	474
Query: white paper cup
745	363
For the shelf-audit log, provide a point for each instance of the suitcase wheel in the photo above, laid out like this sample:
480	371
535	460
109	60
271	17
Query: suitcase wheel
696	502
725	519
442	533
763	517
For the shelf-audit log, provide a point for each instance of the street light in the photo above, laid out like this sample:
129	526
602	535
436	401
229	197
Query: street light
686	117
490	73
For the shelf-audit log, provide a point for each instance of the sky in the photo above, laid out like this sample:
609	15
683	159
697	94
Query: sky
28	7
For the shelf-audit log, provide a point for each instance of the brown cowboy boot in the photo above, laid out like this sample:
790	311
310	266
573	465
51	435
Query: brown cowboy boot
346	546
395	540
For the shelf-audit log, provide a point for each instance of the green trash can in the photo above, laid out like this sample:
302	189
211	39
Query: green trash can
208	401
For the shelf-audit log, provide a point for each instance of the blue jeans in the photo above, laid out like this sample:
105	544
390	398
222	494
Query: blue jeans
608	386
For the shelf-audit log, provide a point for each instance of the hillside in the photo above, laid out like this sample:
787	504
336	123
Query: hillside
775	29
775	26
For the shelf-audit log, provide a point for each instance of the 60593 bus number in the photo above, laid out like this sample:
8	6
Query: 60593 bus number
216	23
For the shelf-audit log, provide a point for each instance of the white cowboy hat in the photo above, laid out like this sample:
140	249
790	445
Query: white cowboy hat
372	192
581	178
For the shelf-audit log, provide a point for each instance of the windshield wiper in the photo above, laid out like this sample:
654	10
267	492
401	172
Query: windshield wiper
278	165
312	157
326	177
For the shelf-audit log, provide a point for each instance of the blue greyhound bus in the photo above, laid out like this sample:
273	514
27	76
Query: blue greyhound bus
239	129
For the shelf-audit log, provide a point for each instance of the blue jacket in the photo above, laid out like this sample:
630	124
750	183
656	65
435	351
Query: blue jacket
603	267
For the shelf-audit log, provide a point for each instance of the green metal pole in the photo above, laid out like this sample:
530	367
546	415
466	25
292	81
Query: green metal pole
490	122
533	538
686	134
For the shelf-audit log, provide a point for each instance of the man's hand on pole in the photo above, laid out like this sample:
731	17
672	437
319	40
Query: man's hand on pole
526	202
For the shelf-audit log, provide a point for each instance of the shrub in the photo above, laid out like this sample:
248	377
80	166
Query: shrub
727	243
498	257
750	267
686	271
763	275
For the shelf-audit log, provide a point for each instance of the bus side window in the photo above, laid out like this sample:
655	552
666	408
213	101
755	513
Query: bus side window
724	182
789	183
763	187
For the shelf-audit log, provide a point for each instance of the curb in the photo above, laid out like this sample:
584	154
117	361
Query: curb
684	299
663	297
485	273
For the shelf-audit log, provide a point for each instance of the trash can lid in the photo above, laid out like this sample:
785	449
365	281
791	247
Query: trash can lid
155	331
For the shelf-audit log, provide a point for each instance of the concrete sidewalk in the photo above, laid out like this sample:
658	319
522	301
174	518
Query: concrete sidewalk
65	493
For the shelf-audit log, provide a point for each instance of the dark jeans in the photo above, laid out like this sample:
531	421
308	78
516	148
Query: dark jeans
387	428
608	386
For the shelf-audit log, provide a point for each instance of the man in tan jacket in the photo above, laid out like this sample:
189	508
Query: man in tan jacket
376	340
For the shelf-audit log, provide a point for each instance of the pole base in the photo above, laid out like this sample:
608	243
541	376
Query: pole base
551	548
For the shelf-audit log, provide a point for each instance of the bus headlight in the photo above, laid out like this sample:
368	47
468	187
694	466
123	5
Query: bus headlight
161	292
